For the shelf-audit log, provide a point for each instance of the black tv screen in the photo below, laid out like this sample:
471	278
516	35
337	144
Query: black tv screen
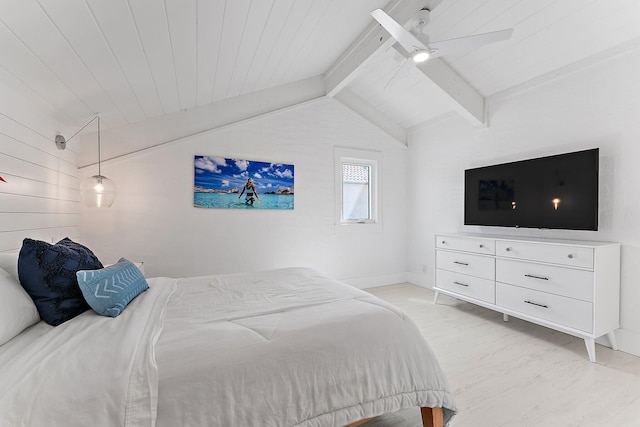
559	192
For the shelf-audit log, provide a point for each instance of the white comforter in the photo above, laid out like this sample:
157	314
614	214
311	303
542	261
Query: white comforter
279	348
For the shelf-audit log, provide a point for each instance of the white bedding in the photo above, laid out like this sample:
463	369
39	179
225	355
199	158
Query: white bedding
279	348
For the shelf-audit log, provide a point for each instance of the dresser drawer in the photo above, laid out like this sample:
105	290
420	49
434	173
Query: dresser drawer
465	263
565	311
575	256
558	280
474	287
468	244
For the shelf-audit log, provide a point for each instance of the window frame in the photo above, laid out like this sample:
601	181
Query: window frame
370	158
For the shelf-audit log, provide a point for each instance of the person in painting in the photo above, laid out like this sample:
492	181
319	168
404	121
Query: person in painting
250	192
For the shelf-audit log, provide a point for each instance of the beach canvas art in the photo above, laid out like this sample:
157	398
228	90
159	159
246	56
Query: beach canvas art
225	183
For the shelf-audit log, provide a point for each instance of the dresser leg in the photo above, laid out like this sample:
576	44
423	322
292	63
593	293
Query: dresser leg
591	348
435	297
505	317
612	340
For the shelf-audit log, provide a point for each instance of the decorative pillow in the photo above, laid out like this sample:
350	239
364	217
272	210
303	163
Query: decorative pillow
48	273
108	291
17	311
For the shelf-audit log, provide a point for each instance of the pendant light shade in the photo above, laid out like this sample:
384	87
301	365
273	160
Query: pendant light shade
97	191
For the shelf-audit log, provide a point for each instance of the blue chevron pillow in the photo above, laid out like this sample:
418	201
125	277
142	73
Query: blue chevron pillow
110	289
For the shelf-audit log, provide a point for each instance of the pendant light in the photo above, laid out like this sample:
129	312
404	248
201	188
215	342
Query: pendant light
96	191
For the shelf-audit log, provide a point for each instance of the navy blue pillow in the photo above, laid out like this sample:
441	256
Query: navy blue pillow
48	273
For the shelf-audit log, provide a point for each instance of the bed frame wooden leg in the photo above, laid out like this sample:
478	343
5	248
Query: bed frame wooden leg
357	423
432	417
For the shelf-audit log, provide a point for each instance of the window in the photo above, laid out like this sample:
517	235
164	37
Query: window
356	192
356	186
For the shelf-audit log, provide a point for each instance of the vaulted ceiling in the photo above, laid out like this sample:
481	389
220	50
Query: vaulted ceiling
157	70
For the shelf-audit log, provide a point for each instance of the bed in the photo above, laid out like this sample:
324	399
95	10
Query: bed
287	347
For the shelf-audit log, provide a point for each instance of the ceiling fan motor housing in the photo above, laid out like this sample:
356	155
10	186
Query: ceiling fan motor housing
422	19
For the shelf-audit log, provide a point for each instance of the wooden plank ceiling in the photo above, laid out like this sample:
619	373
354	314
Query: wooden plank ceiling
135	61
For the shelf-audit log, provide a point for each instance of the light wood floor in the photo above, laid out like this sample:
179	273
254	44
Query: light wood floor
516	374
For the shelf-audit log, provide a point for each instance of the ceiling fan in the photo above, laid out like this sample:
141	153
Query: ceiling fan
414	43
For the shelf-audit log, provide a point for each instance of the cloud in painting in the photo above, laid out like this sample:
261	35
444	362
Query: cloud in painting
284	174
242	164
210	164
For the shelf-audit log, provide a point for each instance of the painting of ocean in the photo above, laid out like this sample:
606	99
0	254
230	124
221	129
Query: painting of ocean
231	201
225	183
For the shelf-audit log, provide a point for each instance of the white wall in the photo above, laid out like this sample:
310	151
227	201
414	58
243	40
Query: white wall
594	107
153	218
40	198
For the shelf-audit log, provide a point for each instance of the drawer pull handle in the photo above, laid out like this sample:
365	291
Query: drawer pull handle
508	249
444	242
481	245
539	305
460	263
536	277
570	256
461	284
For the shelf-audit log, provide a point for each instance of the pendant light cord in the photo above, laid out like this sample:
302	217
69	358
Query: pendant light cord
99	171
81	129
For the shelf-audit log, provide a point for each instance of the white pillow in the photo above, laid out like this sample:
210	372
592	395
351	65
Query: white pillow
9	263
17	310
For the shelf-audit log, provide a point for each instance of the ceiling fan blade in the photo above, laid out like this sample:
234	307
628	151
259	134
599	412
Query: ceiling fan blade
407	40
447	47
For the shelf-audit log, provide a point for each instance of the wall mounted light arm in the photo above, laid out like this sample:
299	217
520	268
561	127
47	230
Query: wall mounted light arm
98	190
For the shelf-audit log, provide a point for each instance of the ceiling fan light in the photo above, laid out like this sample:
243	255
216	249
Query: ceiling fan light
420	55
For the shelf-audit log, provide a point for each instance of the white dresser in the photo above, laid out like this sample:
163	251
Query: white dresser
568	285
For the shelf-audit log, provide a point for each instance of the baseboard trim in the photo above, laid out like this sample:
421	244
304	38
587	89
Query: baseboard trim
374	281
420	279
628	341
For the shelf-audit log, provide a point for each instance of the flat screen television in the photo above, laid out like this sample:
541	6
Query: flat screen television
556	192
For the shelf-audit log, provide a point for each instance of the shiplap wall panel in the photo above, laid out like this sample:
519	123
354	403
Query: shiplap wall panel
23	102
41	137
27	154
10	221
18	169
29	187
34	204
12	241
40	198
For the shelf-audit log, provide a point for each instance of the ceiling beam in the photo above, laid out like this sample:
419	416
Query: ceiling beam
366	110
170	127
372	40
466	99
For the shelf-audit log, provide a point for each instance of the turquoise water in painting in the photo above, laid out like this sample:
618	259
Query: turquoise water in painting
231	201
